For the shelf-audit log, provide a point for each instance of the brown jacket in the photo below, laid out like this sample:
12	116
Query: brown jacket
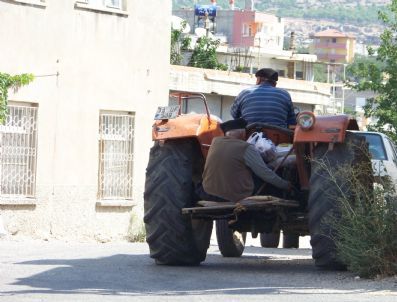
225	173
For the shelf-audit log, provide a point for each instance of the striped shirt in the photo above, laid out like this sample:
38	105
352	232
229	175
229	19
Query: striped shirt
266	104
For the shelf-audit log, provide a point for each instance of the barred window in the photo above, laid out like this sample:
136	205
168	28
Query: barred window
116	145
18	146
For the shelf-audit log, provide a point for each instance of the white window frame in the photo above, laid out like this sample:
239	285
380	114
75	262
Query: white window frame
40	3
105	3
247	30
108	3
244	30
104	6
18	154
115	169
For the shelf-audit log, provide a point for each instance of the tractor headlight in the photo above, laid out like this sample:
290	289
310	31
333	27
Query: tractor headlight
306	120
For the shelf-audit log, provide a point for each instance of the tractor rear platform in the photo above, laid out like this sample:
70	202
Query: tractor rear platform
255	214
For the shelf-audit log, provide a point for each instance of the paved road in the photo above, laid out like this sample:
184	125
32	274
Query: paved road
58	271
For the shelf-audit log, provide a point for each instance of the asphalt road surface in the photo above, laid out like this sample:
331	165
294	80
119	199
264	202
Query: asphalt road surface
61	271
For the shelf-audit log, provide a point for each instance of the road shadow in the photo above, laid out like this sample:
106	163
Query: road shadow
256	273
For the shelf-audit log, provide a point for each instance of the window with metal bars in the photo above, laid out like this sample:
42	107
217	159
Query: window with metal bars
18	152
116	151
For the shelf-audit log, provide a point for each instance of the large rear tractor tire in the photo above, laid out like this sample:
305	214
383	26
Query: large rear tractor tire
174	239
231	243
270	240
324	193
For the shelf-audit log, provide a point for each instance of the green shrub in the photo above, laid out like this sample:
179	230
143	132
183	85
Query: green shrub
367	234
365	224
7	82
204	54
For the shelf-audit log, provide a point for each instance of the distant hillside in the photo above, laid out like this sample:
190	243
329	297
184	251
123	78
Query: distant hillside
350	11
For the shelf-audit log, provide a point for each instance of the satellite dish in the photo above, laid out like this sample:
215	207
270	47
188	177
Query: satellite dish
202	32
176	23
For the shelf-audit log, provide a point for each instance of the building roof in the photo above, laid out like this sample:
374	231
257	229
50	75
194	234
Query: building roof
332	33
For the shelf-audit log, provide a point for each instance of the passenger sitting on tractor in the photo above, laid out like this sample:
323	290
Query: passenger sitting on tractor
264	103
231	162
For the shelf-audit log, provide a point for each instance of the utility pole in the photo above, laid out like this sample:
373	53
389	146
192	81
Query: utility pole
259	51
328	73
343	88
333	90
207	25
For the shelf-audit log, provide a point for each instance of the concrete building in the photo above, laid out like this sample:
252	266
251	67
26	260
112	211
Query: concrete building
221	88
354	104
333	46
287	63
241	27
75	146
250	40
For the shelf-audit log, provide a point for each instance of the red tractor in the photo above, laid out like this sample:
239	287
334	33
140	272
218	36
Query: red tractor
179	224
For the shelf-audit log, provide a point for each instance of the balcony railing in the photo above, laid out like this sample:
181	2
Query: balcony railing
330	45
331	56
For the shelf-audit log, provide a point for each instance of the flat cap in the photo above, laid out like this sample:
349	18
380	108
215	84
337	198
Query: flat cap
267	73
239	123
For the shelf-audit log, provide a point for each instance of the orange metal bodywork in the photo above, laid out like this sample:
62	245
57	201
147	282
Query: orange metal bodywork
188	125
327	129
204	127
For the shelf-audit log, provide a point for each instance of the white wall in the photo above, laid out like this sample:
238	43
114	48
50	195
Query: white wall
105	62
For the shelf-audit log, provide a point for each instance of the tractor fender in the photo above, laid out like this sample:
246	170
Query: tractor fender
327	129
188	126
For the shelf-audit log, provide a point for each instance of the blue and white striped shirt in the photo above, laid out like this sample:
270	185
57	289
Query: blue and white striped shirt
266	104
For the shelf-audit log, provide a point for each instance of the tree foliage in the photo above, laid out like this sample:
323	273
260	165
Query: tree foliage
204	54
10	82
359	61
320	73
179	42
380	76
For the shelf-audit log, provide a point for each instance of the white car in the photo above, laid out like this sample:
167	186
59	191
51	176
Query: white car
384	154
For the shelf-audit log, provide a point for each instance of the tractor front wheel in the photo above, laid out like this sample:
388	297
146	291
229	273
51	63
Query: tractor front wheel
291	241
270	240
231	243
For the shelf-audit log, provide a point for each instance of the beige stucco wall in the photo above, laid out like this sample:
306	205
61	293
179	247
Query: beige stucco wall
105	62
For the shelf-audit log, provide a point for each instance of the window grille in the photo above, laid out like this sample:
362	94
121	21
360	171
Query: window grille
18	152
116	145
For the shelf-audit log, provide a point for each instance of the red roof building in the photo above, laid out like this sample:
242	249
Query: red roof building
333	46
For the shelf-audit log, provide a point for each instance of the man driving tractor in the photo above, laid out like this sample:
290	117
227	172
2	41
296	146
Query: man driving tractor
264	102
